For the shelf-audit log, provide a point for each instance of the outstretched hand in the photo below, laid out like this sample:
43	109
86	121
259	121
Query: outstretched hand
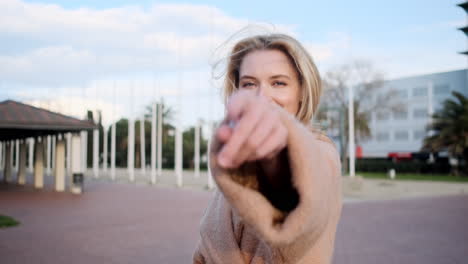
252	130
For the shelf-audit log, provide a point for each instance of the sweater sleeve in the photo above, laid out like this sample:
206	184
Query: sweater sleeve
314	170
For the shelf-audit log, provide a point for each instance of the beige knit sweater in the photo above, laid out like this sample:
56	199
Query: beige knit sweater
248	222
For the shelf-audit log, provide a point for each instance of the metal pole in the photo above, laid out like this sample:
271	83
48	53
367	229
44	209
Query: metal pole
104	149
160	131
197	149
351	132
96	153
153	143
210	175
178	155
113	151
178	127
142	145
131	149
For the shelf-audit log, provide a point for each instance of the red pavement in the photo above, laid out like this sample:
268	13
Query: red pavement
124	223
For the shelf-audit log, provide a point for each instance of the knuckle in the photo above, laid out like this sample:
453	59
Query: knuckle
251	144
260	153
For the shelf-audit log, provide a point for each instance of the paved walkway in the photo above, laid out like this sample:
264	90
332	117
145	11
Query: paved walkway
139	223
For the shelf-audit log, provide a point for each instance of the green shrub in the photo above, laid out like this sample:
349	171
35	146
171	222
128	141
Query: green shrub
384	165
6	221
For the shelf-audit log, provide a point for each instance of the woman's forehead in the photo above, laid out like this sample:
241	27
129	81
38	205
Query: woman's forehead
266	62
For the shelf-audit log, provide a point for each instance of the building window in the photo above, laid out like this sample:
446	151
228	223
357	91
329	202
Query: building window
402	94
441	89
419	134
420	113
401	135
420	91
383	116
383	136
401	114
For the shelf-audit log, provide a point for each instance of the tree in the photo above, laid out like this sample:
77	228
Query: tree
449	129
369	97
168	141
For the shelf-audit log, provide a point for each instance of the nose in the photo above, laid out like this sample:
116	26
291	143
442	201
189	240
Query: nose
263	90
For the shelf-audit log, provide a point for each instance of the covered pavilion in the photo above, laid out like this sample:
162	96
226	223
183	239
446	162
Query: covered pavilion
22	124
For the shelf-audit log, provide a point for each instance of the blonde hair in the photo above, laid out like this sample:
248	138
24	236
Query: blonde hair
309	79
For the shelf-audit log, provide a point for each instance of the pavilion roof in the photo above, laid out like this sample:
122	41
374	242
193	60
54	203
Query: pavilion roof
18	120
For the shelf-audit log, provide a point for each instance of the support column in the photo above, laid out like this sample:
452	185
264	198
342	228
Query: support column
76	163
84	151
31	155
197	150
49	152
39	164
7	166
142	145
12	158
22	163
52	160
113	134
96	153
153	144
59	169
68	150
1	155
17	143
104	150
131	150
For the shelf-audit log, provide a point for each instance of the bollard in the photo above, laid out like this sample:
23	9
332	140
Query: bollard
391	174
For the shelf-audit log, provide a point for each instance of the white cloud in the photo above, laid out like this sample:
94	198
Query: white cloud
55	55
46	44
68	46
334	50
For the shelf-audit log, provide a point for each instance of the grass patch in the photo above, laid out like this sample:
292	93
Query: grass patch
6	221
415	176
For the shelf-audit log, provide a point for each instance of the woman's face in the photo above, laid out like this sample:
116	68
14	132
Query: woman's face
271	74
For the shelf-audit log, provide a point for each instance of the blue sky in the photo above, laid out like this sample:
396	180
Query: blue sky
75	51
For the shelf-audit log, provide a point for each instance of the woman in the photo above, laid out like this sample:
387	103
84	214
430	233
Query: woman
279	197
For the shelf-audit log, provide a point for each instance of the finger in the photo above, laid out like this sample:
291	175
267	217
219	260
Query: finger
259	136
223	133
241	132
238	104
273	145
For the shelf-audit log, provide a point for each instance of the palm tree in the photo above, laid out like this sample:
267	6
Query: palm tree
449	128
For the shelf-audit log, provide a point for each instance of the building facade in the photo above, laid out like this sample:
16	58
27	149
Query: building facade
420	96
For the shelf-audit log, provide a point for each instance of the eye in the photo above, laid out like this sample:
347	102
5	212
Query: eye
279	83
247	85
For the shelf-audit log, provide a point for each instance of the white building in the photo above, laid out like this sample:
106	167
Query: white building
421	95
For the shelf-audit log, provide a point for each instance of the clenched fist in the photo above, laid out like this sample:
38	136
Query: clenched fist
252	130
